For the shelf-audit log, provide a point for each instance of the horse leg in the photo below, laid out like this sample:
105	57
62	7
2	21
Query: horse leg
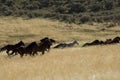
21	54
43	52
48	50
35	53
8	52
31	54
11	53
15	53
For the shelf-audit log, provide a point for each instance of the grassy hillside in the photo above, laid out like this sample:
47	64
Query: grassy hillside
72	11
15	29
90	63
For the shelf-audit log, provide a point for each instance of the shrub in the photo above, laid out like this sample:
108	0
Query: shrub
2	1
30	14
77	8
60	9
108	5
7	12
95	7
9	3
85	18
3	8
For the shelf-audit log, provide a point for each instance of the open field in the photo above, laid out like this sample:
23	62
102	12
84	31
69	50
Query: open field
14	29
77	63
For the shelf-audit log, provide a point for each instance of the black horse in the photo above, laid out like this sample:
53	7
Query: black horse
11	47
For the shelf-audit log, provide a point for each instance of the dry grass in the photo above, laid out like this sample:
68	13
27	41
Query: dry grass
14	29
90	63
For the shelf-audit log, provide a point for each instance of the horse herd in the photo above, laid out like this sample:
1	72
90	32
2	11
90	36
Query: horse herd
100	42
31	49
45	44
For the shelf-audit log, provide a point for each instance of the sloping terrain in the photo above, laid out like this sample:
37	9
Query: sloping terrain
77	63
72	11
13	29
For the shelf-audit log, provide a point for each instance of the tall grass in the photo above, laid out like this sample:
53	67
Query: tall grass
91	63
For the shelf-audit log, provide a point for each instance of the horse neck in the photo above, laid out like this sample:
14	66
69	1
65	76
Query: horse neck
74	42
71	44
18	44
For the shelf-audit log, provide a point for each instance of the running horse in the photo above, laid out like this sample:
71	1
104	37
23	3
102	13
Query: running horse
63	45
24	49
47	42
11	47
33	47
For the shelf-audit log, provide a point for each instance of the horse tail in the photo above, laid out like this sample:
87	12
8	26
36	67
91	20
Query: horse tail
3	48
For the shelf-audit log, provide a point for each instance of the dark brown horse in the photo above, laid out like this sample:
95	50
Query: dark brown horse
116	40
24	49
11	47
44	45
33	48
47	42
107	41
95	42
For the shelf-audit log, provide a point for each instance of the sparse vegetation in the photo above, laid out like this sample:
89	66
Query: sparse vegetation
58	9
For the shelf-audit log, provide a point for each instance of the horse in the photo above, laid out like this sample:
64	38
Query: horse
72	44
48	41
95	42
43	46
33	48
116	40
21	50
24	49
10	47
108	41
63	45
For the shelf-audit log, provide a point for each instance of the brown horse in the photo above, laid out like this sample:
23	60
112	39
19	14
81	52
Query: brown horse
95	42
24	49
33	48
11	47
47	42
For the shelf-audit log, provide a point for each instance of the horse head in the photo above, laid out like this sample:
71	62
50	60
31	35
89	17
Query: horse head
42	40
75	42
21	43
